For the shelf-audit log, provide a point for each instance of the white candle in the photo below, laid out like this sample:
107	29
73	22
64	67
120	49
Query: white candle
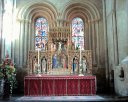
38	56
80	55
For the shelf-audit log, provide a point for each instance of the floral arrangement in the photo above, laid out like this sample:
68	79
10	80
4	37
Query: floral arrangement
7	71
8	76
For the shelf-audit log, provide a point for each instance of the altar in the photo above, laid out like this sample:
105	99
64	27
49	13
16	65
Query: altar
59	65
49	85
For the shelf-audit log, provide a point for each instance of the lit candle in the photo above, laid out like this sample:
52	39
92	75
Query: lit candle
38	56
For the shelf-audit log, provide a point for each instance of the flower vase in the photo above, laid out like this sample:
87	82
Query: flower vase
7	90
1	86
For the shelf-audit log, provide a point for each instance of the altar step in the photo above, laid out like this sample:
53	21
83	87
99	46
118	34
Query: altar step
95	98
59	98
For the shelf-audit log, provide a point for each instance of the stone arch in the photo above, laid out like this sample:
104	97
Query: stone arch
85	8
26	17
33	10
91	17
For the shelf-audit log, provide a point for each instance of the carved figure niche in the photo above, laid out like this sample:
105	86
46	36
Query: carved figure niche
43	65
34	64
75	65
84	65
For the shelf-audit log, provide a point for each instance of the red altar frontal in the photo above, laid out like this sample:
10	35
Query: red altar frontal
49	85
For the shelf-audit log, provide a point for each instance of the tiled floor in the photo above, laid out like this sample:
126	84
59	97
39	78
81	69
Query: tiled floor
95	98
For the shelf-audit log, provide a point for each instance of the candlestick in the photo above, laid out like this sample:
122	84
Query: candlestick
38	56
80	55
80	69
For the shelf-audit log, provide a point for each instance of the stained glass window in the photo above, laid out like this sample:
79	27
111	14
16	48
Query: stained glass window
78	33
41	34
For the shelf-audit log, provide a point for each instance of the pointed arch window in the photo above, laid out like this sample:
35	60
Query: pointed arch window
78	32
41	33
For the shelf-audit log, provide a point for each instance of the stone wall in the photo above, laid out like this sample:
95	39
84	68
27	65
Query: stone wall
116	28
1	18
121	78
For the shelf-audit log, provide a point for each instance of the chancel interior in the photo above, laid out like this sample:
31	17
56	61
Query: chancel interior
54	41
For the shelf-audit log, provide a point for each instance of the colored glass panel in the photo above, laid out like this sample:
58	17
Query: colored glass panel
78	32
41	28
